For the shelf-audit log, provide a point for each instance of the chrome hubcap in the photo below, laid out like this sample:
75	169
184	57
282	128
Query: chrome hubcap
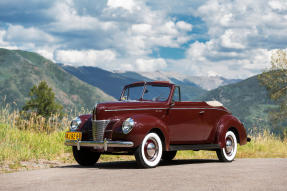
151	149
229	148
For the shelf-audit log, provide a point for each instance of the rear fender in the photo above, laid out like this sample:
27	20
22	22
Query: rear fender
229	122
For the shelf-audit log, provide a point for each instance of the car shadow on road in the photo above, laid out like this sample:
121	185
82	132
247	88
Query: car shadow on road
133	164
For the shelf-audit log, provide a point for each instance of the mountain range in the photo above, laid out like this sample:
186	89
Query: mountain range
20	70
249	101
112	83
77	87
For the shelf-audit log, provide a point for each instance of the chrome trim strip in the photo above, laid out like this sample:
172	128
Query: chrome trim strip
101	120
138	109
134	109
200	108
100	144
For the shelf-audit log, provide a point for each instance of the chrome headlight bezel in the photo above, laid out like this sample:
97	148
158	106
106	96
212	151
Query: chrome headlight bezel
128	125
75	123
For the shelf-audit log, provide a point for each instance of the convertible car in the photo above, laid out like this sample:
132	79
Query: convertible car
151	122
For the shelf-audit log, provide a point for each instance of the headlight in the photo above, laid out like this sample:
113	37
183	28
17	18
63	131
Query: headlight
75	123
127	126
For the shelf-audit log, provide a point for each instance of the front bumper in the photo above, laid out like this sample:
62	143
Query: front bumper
100	144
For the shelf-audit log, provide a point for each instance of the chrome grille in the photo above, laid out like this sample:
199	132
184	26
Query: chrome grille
99	127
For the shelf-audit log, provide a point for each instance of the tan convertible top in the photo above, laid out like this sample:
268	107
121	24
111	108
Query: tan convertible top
214	103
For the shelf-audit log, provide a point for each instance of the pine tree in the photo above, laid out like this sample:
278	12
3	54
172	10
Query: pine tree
42	101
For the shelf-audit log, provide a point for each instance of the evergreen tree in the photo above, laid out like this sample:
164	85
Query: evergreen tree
42	101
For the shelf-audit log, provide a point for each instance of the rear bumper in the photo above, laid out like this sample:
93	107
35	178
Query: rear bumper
100	144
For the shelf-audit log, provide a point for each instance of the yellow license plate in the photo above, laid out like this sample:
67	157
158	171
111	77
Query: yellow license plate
73	136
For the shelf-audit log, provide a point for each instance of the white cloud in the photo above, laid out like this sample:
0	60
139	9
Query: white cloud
278	5
230	39
85	57
47	53
184	26
202	59
212	74
3	43
124	4
67	19
17	33
150	65
141	28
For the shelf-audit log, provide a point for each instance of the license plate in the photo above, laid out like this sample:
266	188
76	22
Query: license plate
73	136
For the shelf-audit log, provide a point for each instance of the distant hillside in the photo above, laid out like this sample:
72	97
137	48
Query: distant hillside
248	100
211	82
205	82
112	83
20	70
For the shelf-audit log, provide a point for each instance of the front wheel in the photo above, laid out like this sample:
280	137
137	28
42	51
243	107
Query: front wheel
85	156
149	153
227	154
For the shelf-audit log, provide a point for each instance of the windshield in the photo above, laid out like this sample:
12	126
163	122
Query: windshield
151	93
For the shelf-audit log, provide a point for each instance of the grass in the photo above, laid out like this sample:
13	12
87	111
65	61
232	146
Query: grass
23	145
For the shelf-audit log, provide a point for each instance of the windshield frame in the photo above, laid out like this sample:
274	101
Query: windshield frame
144	84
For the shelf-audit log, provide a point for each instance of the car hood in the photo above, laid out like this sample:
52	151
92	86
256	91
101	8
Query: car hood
130	104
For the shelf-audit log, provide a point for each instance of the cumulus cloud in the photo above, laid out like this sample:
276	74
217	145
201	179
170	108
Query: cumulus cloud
67	18
47	52
242	36
85	57
17	33
184	26
232	38
150	65
126	4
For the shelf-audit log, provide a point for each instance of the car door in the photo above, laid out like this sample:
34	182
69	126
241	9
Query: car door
187	122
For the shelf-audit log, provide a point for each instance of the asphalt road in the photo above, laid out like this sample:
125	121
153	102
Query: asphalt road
242	174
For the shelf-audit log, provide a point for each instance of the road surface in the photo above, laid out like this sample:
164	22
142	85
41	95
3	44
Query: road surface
242	174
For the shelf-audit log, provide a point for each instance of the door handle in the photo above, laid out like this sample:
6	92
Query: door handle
201	112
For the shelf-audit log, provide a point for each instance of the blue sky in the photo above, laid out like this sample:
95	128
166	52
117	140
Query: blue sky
230	38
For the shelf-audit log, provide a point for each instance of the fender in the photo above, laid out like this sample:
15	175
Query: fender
226	122
143	125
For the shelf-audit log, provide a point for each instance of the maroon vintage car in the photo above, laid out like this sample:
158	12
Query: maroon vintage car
151	122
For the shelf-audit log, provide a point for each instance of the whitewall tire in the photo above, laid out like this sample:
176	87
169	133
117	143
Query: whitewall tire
148	154
228	153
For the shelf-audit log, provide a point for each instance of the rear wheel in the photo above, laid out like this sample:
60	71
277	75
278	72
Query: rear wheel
227	154
85	156
168	155
149	153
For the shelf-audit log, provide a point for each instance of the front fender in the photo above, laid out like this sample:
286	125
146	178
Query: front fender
230	122
143	125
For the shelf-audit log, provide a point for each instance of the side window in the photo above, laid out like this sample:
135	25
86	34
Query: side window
176	94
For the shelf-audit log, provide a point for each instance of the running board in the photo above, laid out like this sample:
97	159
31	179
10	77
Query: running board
194	147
